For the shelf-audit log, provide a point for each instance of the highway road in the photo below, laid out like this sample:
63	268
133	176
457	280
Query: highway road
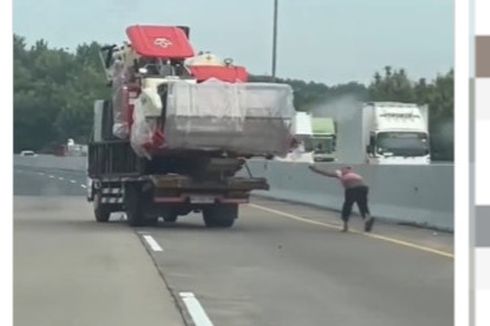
281	264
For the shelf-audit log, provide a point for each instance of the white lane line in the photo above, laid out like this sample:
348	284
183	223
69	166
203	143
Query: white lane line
73	181
198	315
51	176
152	243
61	178
369	235
41	173
83	186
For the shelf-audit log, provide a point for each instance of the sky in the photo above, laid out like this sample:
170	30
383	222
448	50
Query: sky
330	41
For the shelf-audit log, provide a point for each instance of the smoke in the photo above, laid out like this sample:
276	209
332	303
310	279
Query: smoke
339	108
346	112
444	131
442	140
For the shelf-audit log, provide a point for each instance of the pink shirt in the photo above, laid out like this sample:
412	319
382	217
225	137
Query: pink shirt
350	179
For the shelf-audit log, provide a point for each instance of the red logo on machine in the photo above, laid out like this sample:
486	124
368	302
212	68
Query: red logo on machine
162	42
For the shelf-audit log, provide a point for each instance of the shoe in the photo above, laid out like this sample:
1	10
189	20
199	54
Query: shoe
368	226
346	227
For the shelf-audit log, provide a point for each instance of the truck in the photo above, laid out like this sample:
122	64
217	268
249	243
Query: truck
314	139
323	140
178	129
384	133
301	148
396	133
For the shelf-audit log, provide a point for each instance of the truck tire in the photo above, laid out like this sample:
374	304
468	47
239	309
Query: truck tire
170	217
133	201
102	211
220	216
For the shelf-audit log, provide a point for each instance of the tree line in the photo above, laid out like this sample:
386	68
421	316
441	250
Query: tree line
54	91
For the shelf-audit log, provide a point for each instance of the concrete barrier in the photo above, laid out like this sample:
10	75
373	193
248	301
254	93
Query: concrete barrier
75	163
420	194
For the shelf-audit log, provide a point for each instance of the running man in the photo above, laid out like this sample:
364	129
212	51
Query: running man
356	191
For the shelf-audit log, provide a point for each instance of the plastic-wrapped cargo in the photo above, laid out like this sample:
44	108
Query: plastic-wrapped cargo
120	127
246	118
144	132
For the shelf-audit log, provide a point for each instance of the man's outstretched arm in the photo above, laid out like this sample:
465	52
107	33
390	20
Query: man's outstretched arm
325	173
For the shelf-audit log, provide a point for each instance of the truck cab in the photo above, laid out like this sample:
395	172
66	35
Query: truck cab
324	139
301	149
397	133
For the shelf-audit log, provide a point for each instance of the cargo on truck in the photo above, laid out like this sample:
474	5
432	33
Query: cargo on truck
178	128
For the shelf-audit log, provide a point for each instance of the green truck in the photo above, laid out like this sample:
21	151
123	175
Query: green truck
323	141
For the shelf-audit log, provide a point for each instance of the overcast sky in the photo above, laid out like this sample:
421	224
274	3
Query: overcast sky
331	41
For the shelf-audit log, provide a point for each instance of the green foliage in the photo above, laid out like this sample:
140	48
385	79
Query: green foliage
54	91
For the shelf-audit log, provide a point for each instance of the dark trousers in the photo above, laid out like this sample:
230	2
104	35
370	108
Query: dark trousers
357	195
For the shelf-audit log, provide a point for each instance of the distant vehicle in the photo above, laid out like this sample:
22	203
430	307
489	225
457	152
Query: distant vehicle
396	133
28	153
301	148
323	140
383	133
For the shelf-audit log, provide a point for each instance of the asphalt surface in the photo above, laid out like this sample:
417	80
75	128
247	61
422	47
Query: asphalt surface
69	270
281	264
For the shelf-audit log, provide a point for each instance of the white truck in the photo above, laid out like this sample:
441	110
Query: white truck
384	133
302	149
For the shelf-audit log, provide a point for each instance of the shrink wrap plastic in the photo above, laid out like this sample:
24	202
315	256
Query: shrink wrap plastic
245	118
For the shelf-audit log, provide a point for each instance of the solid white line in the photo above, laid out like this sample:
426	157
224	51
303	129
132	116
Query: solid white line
152	243
73	181
198	315
83	186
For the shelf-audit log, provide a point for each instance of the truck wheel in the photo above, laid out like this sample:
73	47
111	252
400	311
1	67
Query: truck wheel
220	216
170	217
134	205
101	211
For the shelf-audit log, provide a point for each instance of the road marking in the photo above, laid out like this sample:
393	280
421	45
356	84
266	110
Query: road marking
198	315
41	173
369	235
73	181
51	176
152	243
61	178
83	186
